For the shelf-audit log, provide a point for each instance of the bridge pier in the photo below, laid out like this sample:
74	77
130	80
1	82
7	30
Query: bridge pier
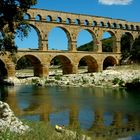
44	45
41	70
73	47
100	67
10	70
117	48
74	69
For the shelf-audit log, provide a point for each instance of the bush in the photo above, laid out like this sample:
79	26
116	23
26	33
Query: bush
57	77
118	81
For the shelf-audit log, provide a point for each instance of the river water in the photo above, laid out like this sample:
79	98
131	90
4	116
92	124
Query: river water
103	112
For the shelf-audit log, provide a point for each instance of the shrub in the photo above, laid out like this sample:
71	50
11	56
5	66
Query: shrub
118	81
57	77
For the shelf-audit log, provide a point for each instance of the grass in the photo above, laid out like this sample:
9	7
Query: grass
39	131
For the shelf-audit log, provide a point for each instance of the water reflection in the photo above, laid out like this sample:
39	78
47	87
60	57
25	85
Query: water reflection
104	113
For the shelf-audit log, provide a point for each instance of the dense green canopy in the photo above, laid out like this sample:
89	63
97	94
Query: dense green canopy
12	21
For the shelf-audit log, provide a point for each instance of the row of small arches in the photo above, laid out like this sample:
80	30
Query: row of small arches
85	22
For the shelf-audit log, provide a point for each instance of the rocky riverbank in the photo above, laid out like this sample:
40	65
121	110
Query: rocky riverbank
112	77
8	121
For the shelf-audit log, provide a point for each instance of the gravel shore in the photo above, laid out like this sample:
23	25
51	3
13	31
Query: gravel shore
112	77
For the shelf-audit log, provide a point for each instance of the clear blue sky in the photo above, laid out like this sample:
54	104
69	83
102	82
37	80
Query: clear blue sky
120	9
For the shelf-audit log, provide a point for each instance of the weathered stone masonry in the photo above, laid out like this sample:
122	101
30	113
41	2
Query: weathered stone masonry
72	24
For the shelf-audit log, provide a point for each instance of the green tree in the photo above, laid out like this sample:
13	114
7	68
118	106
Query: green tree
23	63
125	46
135	51
12	21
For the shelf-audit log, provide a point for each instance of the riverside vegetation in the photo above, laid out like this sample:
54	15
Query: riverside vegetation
40	131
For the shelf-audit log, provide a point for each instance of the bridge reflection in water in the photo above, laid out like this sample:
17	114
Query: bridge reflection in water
105	122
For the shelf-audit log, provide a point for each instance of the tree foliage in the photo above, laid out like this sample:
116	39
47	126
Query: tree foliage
12	21
23	63
125	46
135	51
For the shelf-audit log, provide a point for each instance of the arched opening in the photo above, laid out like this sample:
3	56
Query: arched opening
58	20
126	45
108	42
109	61
86	22
126	27
59	39
77	21
137	28
108	25
102	24
114	25
60	65
26	16
3	70
94	23
31	41
68	21
120	26
132	27
38	18
86	41
87	64
28	66
48	18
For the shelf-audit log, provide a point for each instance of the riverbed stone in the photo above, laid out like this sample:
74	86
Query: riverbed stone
9	121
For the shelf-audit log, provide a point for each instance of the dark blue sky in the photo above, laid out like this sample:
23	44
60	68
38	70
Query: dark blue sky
129	11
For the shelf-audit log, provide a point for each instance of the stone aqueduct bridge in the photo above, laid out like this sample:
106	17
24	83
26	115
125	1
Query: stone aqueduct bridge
72	24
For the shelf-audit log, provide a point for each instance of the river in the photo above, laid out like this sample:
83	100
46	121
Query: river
103	112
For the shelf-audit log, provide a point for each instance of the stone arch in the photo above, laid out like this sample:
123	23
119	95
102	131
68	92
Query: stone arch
111	45
137	28
68	37
38	17
108	24
65	63
86	22
38	35
3	70
48	18
120	26
94	23
109	61
36	63
90	62
114	25
132	27
127	41
93	42
126	26
77	22
58	19
68	21
27	16
102	24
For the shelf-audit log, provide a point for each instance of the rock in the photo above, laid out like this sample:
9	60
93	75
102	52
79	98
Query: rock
72	134
9	121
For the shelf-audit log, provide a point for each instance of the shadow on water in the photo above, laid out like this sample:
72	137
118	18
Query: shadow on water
104	113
